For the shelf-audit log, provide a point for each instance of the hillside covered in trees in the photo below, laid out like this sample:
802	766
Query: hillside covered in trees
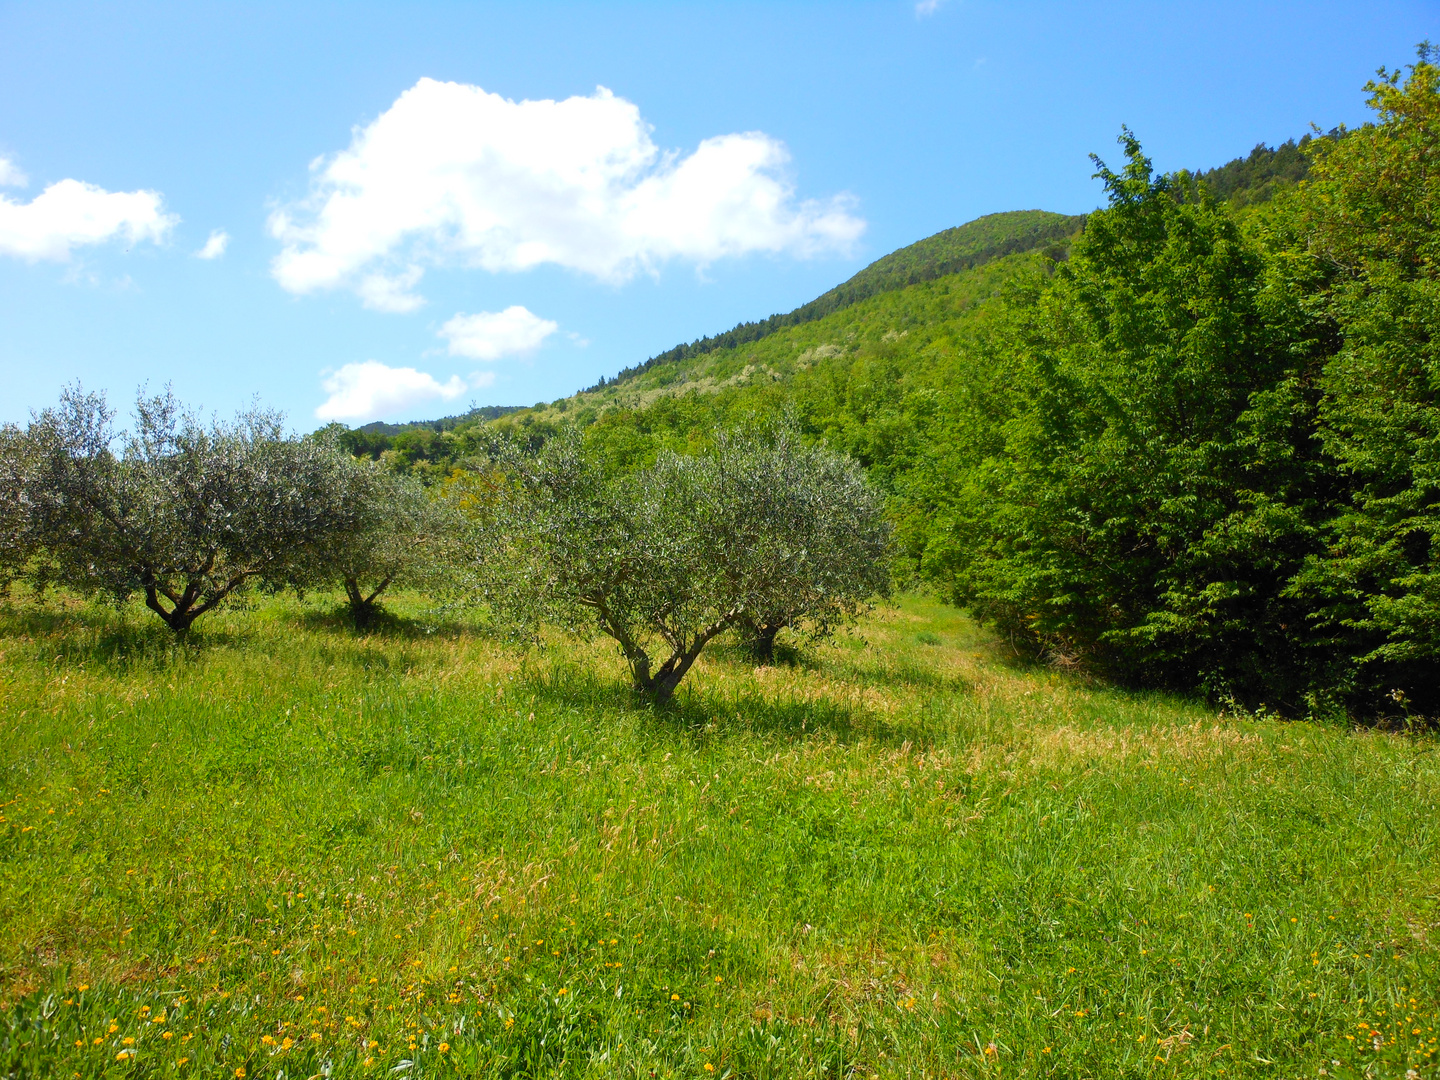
1185	441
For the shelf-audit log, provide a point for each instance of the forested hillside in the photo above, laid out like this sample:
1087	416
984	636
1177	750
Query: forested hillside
1257	177
431	447
1188	445
951	251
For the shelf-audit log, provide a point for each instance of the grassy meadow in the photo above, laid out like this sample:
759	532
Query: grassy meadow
282	849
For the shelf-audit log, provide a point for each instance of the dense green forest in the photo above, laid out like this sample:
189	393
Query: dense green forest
1261	174
1187	441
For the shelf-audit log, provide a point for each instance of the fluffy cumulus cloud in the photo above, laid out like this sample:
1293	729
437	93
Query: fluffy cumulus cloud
453	175
490	335
10	174
215	246
71	214
370	390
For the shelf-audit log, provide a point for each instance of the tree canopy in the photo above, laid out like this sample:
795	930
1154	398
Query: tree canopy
666	559
185	514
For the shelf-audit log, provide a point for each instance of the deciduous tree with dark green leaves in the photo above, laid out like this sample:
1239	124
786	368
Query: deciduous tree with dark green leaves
1157	487
1369	219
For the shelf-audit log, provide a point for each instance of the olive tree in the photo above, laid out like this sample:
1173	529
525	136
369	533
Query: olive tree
400	536
827	529
665	560
184	513
17	539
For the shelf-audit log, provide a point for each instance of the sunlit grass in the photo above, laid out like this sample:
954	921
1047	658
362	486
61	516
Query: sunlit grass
282	847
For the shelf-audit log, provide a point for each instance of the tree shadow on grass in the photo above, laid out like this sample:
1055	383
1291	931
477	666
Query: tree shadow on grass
385	624
734	654
717	714
906	674
92	635
869	668
698	714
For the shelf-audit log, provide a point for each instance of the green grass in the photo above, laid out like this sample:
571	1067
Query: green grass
292	850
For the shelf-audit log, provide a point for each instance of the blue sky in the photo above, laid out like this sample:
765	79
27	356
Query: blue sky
398	227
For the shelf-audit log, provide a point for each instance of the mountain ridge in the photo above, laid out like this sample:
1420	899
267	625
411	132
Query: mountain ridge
949	251
1243	181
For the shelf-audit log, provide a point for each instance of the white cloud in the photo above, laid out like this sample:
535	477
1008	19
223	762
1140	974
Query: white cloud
452	175
70	214
215	246
10	174
382	293
369	390
489	335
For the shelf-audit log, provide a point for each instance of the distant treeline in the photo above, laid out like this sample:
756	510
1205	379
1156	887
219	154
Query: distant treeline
420	441
1243	181
1256	177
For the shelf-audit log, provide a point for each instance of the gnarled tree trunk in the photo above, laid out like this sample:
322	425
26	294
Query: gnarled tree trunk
363	608
187	607
760	639
659	685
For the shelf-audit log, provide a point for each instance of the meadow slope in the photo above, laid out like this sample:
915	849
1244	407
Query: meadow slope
286	850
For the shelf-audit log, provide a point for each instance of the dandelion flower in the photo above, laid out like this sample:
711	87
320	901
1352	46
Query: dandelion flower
444	1048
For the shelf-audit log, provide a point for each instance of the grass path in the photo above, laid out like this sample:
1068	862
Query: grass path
284	849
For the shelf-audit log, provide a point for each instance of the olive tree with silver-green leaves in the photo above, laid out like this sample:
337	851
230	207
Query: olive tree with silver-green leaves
17	541
826	534
183	513
402	535
667	559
